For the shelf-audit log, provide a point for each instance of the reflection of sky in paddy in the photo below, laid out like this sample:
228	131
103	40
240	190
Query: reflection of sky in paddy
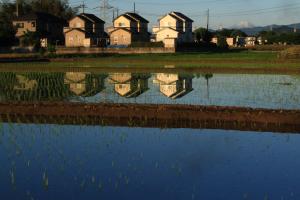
83	162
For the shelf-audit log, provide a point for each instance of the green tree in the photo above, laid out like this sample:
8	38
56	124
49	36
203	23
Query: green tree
31	39
230	33
7	31
222	43
236	33
203	35
59	8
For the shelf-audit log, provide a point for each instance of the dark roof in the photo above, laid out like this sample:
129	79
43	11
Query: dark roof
41	16
133	17
179	14
137	16
91	17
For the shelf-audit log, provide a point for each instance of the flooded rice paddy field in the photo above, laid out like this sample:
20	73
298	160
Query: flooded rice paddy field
56	161
241	90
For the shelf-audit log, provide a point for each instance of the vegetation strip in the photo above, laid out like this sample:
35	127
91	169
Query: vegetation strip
161	116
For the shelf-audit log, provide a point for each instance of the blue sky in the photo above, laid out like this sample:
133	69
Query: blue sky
223	13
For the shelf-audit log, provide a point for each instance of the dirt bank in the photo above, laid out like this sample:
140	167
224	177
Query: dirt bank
161	116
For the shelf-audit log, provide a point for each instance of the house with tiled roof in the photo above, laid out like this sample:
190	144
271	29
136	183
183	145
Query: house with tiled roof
129	28
174	28
85	30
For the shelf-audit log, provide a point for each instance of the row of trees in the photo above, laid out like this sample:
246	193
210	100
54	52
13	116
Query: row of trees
60	8
203	35
280	37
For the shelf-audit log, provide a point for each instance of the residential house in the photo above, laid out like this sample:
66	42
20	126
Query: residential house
85	30
129	85
129	28
250	41
174	28
214	40
84	84
174	85
47	26
230	41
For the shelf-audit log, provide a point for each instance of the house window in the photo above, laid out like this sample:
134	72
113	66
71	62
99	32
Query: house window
71	39
121	24
20	25
32	24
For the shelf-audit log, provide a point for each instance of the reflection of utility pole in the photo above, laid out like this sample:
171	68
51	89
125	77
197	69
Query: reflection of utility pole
207	77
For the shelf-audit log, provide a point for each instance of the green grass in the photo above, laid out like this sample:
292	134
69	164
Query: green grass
205	59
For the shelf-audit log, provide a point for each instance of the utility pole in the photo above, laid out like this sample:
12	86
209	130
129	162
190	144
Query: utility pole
207	25
17	8
83	6
113	15
133	7
104	9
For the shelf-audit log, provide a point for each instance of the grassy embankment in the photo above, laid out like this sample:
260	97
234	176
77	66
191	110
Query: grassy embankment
243	59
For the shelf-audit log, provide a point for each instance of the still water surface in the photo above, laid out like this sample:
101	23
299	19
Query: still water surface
81	162
93	162
244	90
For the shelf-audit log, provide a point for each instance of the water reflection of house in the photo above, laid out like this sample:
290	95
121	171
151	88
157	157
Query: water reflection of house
174	85
23	83
129	85
84	84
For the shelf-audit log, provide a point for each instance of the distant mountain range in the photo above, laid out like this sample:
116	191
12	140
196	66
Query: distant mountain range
274	27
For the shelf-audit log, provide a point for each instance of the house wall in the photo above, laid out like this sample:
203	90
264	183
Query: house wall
143	27
121	77
75	76
170	22
166	33
77	22
123	89
140	37
123	22
74	38
230	41
52	31
27	26
120	37
98	29
78	88
167	78
168	89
